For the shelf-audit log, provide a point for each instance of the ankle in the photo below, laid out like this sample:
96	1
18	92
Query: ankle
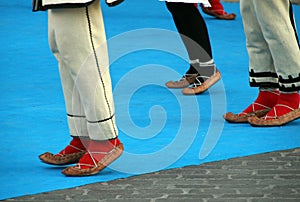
96	152
103	145
290	99
191	71
77	144
287	102
266	99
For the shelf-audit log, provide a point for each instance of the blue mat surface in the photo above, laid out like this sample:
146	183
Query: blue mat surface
160	128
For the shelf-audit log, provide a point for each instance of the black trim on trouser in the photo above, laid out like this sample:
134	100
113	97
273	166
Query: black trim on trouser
99	72
84	117
262	74
101	121
289	89
254	83
290	82
264	84
285	85
76	116
190	24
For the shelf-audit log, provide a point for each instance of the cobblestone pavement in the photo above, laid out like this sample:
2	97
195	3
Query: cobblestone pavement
265	177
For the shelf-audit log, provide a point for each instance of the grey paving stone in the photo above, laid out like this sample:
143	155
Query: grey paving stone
269	177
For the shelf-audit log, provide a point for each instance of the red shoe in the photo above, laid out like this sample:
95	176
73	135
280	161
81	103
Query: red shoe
286	110
219	14
260	107
69	155
99	155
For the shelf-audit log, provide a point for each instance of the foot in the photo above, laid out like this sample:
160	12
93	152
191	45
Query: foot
202	84
219	14
285	110
69	155
184	82
99	155
266	99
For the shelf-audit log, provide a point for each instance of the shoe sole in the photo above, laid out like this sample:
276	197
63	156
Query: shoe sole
279	121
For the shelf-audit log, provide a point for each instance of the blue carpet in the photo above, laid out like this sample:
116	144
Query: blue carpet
161	129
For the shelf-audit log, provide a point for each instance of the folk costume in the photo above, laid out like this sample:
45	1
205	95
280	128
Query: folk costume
274	65
77	40
202	72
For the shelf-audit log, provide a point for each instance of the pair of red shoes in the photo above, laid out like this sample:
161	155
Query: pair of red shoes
271	108
91	156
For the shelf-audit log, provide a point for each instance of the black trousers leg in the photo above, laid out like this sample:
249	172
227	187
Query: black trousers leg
192	27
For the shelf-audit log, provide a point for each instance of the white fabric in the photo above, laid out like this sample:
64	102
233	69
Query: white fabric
77	43
53	2
271	43
204	2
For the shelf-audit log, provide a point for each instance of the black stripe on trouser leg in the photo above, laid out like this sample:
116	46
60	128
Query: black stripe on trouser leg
264	84
290	84
84	117
291	88
262	74
101	121
256	76
98	69
75	116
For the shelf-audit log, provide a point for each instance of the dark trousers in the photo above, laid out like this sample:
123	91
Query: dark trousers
192	28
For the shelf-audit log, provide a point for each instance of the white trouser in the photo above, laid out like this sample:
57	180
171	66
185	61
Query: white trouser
271	43
77	39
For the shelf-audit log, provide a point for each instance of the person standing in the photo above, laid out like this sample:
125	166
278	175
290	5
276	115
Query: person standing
192	28
77	40
274	65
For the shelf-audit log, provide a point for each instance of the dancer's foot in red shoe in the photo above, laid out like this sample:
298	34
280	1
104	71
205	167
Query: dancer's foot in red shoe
69	155
287	109
98	156
217	10
266	99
